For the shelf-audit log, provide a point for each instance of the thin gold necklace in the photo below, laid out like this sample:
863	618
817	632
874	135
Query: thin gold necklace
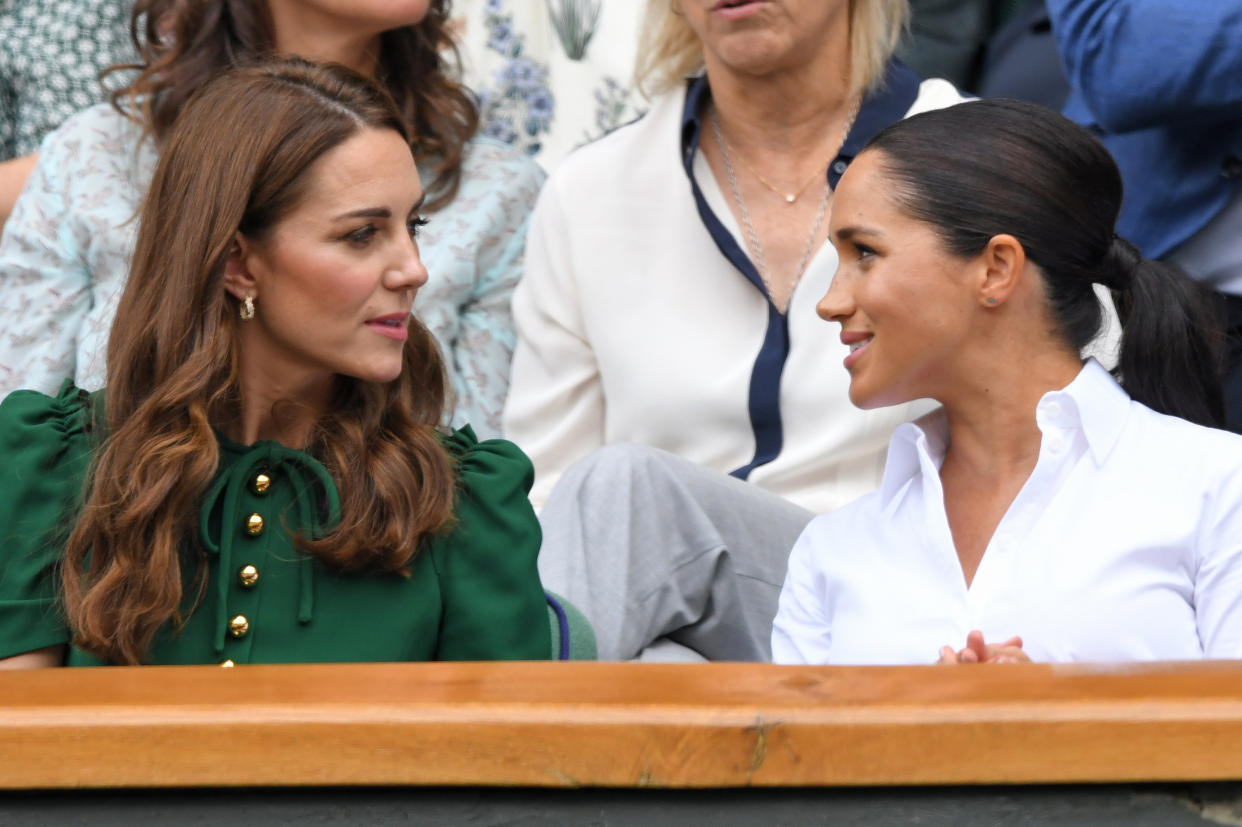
789	197
752	237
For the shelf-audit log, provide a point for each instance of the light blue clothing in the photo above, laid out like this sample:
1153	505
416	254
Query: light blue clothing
65	253
1159	80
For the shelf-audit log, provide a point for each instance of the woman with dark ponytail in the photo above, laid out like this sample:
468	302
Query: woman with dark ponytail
1049	511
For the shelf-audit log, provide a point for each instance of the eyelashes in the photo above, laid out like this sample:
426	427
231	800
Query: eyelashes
365	234
361	236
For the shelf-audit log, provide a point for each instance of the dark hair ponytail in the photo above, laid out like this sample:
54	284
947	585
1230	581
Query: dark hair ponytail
1167	321
984	168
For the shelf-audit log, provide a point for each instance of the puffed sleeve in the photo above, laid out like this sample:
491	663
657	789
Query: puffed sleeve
494	605
44	456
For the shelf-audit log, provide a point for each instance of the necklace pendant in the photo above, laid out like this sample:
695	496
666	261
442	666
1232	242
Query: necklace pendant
790	198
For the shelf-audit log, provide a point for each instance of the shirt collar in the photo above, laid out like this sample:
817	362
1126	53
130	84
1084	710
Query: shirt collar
885	105
913	443
1093	403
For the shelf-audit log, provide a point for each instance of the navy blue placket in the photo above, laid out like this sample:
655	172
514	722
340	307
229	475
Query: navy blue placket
897	95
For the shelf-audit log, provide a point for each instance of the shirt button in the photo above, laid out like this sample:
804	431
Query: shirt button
261	483
1055	443
839	167
239	626
227	663
247	576
254	525
1053	409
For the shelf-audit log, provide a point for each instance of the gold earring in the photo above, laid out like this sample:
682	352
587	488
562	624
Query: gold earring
247	309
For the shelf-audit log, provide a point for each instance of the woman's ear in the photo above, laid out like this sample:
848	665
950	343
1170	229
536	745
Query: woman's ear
238	278
1003	261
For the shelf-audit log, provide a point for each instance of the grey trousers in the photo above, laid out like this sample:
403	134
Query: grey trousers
653	548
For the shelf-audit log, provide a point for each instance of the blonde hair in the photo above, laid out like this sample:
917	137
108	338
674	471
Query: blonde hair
669	51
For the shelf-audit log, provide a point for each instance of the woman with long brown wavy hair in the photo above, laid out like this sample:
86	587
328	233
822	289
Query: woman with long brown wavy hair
264	478
66	249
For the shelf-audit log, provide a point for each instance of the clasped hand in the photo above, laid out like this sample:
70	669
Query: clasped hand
978	651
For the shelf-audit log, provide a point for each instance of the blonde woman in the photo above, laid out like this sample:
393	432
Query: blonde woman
669	300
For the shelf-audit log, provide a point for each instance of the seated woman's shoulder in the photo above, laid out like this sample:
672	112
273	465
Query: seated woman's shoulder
937	93
1182	432
638	159
100	122
69	411
858	520
1175	446
489	162
489	463
46	443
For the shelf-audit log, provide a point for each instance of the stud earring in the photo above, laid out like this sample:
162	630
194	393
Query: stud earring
990	301
247	309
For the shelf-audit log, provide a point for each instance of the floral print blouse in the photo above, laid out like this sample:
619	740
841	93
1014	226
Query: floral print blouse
65	251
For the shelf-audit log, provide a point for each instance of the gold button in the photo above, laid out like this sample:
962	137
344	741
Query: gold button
261	483
247	576
227	663
254	525
239	626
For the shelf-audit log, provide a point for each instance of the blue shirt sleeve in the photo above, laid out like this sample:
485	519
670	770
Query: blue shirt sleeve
1135	64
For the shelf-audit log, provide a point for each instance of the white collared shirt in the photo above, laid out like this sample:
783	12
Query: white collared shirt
1124	544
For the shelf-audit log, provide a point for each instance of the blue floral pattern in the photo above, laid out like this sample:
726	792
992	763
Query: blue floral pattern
549	75
518	106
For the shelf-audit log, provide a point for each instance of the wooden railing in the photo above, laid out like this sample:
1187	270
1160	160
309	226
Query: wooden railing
571	724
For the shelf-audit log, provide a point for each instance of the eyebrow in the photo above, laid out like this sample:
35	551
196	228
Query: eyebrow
366	212
379	212
847	233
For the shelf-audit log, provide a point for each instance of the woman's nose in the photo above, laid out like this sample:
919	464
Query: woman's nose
408	272
838	303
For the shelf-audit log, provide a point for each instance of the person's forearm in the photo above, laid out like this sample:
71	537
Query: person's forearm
13	176
38	659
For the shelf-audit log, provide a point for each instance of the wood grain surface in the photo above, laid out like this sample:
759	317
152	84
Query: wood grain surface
603	724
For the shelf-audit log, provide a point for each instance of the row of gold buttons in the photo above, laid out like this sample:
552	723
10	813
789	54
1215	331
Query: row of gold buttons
248	575
260	485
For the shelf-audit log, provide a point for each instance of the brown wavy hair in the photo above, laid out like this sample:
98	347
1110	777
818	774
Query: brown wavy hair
183	43
237	159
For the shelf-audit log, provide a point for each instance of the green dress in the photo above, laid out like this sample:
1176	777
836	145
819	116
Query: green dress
473	592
